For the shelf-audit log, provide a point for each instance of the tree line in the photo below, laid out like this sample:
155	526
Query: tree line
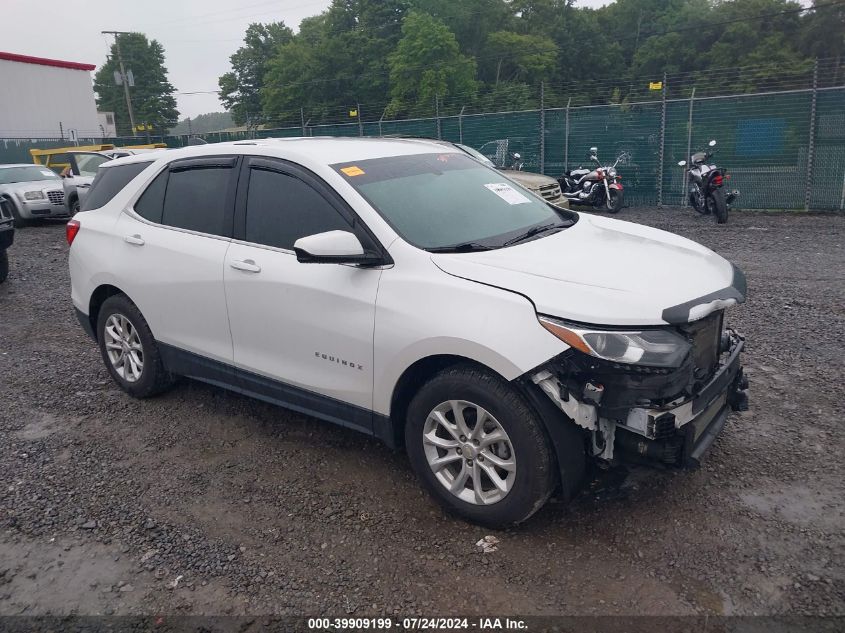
412	56
405	58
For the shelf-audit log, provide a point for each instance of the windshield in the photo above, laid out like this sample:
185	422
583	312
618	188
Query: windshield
33	173
441	201
88	163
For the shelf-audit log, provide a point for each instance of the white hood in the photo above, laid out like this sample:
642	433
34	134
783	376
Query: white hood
608	272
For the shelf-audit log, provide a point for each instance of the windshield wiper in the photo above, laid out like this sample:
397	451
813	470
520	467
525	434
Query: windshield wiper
534	230
463	247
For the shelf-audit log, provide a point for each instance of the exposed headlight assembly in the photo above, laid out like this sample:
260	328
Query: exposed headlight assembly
34	195
654	348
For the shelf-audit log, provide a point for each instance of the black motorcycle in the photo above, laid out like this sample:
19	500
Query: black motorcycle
600	187
706	185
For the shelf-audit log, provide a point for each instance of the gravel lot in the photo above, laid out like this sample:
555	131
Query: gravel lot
203	501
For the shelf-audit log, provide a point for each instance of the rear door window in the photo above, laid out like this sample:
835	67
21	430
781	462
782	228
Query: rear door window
197	198
109	182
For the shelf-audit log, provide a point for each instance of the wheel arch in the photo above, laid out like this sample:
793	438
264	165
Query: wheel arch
567	441
417	374
98	298
13	204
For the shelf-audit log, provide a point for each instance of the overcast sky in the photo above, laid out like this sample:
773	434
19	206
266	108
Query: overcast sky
198	35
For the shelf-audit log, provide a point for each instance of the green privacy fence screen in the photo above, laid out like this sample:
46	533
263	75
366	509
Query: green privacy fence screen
783	150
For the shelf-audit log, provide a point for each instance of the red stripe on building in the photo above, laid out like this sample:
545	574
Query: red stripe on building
43	61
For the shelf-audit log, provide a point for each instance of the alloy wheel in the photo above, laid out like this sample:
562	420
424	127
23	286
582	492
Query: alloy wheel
124	348
469	452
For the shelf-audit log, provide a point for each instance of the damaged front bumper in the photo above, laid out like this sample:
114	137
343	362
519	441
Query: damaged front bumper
676	431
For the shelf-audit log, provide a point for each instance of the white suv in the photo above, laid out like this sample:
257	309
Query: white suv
403	289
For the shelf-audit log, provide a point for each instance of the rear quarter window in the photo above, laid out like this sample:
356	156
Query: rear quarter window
109	182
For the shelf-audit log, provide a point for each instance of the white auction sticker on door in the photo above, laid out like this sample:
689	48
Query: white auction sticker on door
507	193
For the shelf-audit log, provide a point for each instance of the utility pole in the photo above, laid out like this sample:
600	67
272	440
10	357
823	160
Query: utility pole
123	78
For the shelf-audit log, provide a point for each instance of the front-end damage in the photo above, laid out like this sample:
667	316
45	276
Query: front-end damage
658	414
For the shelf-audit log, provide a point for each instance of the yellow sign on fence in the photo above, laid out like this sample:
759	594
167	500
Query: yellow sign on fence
353	113
655	85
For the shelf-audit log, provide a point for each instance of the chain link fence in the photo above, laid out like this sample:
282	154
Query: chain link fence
784	149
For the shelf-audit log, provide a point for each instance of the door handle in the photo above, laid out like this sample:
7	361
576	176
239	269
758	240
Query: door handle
83	186
246	265
135	240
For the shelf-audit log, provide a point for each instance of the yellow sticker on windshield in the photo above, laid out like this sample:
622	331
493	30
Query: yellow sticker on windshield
352	170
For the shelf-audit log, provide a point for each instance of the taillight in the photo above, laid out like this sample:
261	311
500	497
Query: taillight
717	180
71	230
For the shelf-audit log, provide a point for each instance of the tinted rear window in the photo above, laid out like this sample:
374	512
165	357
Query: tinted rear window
108	183
196	200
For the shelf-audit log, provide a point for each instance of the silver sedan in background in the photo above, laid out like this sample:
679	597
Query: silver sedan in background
32	192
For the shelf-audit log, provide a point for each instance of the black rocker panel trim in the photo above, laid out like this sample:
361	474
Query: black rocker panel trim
184	363
737	290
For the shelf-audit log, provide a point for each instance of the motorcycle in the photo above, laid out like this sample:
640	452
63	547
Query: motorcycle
516	161
706	184
600	187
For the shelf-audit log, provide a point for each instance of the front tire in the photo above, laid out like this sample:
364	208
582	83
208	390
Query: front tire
697	203
717	204
74	206
4	265
129	350
478	447
17	220
615	203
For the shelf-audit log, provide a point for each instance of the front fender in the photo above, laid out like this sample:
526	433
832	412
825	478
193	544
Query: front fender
435	313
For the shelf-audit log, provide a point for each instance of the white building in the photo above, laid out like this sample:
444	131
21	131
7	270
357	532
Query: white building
46	98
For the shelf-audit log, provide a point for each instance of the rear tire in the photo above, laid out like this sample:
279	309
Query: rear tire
129	349
718	206
515	473
4	265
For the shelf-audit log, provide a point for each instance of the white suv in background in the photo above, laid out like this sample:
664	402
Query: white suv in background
403	289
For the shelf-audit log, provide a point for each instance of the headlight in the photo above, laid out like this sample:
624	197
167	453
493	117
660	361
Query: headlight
611	172
655	348
34	195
